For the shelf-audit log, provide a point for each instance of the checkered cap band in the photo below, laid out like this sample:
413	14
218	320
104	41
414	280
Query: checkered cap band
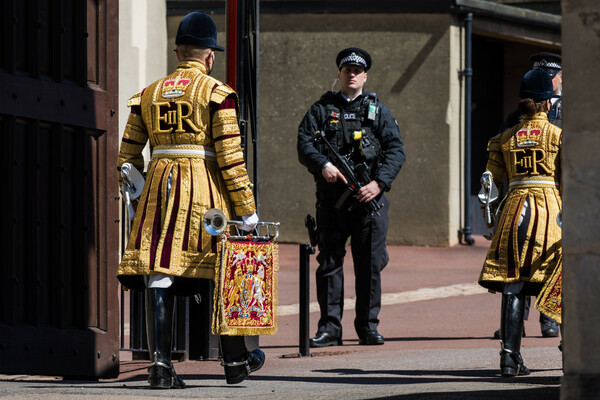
547	64
353	59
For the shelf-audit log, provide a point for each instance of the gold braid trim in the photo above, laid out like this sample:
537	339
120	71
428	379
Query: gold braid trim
135	100
221	92
494	143
549	301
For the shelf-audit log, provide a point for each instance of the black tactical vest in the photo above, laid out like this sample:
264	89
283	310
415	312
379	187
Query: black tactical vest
348	127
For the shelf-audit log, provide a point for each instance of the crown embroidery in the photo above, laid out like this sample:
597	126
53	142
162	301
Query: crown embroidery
175	87
529	137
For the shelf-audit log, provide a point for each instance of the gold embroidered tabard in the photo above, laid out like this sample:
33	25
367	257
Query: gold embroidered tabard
549	301
190	122
529	156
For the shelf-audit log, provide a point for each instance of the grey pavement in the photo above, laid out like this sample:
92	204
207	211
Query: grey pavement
437	323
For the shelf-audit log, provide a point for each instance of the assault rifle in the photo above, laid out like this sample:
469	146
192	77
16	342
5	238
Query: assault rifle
356	175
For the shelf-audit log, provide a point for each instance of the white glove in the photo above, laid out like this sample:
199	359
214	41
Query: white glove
249	222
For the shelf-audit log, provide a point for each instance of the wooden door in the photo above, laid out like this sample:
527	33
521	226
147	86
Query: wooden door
59	312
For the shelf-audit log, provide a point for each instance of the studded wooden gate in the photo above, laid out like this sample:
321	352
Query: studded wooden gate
58	126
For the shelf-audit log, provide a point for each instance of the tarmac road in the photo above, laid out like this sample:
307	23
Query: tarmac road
436	320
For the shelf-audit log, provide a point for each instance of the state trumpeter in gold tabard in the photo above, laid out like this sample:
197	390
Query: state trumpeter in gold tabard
190	121
526	247
529	155
189	118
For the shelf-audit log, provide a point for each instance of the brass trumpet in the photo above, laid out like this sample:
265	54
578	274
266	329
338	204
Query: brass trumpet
215	223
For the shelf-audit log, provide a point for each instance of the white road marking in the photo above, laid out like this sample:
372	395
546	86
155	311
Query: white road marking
460	289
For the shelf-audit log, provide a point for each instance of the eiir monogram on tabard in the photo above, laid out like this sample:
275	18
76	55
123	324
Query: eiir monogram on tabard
164	112
528	161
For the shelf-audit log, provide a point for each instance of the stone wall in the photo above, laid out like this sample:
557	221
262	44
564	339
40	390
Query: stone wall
410	74
416	59
142	47
581	198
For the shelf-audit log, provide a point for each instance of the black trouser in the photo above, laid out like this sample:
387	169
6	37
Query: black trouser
368	242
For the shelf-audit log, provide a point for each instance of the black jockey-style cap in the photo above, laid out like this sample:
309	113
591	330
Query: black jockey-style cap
550	62
353	56
198	29
536	84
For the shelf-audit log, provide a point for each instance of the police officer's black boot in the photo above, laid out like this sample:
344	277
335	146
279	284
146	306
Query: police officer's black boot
548	326
237	361
159	329
511	328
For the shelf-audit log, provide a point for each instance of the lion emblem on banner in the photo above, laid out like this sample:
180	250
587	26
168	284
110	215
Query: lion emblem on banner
248	287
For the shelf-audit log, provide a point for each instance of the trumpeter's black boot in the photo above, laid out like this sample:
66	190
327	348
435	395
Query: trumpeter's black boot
159	329
237	361
511	329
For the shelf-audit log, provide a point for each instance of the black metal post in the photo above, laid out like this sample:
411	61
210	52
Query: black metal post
305	251
466	231
247	73
255	122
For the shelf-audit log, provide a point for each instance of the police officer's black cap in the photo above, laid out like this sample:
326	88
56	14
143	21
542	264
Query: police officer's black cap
550	62
353	56
536	84
198	29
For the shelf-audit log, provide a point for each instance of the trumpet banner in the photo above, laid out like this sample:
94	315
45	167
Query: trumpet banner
549	301
246	289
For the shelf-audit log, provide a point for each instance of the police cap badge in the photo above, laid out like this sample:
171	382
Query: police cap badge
353	56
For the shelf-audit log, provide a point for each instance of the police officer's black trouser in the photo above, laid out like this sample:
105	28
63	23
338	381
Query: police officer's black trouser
368	242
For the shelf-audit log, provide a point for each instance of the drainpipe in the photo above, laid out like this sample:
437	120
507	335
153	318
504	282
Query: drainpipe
465	232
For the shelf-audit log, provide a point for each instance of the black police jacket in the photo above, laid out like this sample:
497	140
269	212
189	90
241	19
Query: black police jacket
382	124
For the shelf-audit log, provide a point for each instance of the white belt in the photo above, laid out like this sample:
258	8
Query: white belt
188	151
532	182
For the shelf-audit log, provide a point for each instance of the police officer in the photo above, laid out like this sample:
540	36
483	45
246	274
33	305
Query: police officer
551	63
197	163
361	128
